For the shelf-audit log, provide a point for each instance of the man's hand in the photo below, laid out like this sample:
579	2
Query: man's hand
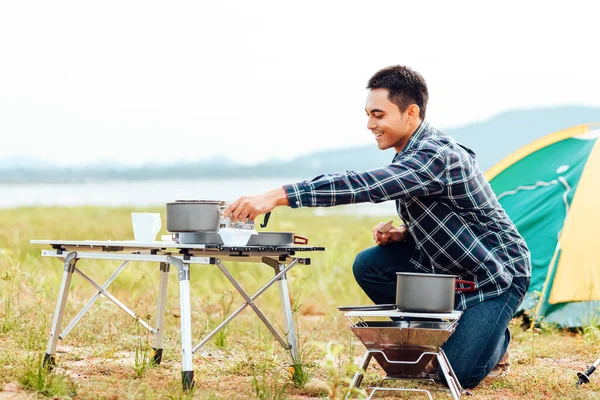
394	235
250	207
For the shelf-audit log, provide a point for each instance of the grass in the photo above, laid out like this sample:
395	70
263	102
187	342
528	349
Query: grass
143	357
48	383
107	356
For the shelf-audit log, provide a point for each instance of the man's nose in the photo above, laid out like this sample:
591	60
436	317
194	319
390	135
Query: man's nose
371	124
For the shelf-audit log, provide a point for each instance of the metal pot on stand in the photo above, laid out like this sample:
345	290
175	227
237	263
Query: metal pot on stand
428	292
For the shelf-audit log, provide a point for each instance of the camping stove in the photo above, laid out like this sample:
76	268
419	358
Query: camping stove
406	347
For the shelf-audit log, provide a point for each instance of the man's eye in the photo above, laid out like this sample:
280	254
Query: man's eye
379	116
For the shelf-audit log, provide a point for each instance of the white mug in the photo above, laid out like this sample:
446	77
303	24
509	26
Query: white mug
145	226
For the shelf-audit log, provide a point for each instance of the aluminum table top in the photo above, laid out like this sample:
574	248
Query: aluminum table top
129	244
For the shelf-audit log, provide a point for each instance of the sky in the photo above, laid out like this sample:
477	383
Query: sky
140	82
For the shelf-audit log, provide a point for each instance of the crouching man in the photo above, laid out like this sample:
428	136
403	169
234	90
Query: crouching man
453	223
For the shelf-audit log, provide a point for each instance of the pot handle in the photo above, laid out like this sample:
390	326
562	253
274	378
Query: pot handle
300	240
266	221
470	288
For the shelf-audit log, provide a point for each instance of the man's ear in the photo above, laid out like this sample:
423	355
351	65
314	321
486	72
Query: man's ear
413	112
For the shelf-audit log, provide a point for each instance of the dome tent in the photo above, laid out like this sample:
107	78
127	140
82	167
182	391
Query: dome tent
551	190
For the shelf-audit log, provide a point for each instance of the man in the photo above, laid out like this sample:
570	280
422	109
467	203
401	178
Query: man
453	221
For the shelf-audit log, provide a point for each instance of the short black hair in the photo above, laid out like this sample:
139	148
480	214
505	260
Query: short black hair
404	85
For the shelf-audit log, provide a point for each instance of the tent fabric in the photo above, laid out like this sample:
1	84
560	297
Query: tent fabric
550	188
579	240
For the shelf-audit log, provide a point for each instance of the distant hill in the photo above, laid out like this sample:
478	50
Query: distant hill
491	140
496	138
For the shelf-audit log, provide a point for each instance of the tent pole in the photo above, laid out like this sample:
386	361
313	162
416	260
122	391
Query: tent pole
584	377
545	287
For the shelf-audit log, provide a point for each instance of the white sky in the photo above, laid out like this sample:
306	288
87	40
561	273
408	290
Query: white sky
160	81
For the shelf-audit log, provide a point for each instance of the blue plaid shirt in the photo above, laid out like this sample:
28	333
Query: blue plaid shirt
456	222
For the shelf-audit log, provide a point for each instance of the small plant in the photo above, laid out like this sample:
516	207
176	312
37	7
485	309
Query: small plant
298	370
178	393
221	336
537	296
339	383
299	374
10	317
42	380
142	360
266	389
591	334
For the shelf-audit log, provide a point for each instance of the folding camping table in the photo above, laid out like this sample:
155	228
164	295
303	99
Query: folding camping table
181	256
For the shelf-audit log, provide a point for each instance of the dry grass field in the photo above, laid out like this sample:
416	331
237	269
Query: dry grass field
107	355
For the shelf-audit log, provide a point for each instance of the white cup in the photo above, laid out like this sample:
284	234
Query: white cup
145	226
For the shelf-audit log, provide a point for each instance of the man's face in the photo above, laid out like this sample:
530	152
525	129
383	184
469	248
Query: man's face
390	127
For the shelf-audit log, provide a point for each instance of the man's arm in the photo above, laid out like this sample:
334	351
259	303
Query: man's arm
252	206
413	175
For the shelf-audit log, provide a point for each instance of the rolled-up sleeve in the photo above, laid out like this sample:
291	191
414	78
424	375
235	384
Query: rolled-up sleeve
419	173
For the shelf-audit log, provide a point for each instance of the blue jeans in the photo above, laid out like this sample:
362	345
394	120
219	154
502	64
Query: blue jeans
482	335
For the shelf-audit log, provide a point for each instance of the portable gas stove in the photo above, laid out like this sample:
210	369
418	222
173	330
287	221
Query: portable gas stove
405	346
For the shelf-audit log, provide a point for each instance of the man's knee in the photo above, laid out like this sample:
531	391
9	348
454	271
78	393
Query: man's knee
365	265
359	268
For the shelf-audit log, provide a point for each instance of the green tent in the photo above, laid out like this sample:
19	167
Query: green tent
551	190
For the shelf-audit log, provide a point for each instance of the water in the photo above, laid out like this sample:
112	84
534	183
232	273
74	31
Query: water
156	193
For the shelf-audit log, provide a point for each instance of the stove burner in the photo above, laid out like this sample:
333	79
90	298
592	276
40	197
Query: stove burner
201	237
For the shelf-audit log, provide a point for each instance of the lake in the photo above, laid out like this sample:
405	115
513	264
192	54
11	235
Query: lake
156	193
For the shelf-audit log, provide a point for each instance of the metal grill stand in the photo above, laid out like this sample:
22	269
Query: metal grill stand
405	347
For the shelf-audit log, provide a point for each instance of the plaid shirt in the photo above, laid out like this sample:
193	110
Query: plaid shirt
456	222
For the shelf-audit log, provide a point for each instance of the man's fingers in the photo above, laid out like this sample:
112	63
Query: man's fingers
240	212
376	230
232	207
253	215
379	225
381	242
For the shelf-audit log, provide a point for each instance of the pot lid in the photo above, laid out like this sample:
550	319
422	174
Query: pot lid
220	202
425	275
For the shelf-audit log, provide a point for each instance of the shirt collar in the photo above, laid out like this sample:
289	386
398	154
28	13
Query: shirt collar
415	137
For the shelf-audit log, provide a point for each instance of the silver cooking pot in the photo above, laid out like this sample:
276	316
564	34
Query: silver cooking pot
194	215
428	292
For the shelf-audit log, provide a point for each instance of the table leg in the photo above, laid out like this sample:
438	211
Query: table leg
93	300
160	313
187	372
69	268
288	318
243	306
251	303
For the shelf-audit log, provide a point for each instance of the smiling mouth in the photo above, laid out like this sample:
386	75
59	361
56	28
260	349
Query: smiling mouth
378	134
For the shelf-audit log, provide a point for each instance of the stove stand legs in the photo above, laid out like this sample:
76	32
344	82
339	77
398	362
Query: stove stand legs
444	366
451	379
187	373
69	268
160	313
